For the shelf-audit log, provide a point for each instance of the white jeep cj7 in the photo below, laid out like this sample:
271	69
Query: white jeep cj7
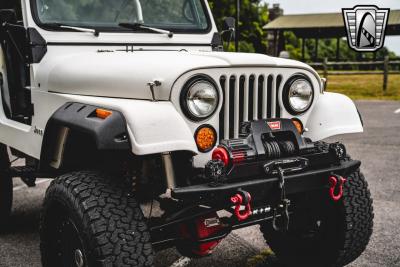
156	138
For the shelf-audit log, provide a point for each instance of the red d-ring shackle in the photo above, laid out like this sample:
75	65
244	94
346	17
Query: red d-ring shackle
242	198
333	182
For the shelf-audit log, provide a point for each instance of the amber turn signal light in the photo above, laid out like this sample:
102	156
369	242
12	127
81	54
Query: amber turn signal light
206	138
299	125
103	113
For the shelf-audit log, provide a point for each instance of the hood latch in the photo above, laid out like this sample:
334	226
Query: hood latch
155	83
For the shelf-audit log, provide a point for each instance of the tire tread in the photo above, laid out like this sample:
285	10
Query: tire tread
111	218
357	225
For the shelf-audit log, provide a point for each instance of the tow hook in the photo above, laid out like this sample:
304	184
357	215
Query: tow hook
336	185
284	206
242	198
284	215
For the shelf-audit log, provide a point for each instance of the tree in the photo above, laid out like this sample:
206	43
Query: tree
327	49
253	16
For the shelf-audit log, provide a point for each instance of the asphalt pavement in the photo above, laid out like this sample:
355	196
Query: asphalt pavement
378	148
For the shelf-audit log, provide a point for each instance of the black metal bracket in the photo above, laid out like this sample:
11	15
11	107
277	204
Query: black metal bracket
287	165
29	44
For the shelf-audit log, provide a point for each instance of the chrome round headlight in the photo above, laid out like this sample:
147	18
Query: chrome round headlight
298	94
200	98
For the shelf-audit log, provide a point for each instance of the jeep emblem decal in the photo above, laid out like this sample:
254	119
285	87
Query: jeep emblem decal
38	131
366	27
274	125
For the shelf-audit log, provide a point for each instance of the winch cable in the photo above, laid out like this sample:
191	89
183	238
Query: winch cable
275	149
288	147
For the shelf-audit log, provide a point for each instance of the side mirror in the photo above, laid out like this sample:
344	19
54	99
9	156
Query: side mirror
229	28
8	16
230	24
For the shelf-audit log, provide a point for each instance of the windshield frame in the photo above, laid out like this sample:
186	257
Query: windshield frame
36	19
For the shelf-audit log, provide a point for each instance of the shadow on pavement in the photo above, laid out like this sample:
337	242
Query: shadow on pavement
24	222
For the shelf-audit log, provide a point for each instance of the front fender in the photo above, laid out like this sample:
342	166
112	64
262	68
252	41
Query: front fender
156	127
334	114
152	127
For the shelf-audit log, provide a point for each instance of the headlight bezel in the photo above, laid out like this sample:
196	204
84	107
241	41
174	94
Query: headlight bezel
184	97
286	90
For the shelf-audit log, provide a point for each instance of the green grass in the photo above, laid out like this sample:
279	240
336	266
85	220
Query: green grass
365	86
266	258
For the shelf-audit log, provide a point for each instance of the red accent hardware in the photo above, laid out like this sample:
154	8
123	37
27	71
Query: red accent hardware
201	228
274	125
238	200
204	231
221	154
333	182
239	157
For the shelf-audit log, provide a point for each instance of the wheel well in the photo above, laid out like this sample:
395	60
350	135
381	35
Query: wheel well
75	138
75	150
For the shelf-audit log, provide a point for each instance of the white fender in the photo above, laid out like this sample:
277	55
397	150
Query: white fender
153	127
334	114
156	127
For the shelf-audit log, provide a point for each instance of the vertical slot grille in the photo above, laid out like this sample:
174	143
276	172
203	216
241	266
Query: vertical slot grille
260	98
278	107
269	95
251	98
241	98
245	98
231	114
222	82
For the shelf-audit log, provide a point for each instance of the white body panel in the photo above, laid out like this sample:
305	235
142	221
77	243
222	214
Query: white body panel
153	127
334	114
118	80
122	74
116	74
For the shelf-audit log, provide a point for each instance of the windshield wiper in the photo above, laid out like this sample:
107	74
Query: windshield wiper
141	26
79	29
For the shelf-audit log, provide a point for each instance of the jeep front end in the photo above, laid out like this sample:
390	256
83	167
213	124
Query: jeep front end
156	138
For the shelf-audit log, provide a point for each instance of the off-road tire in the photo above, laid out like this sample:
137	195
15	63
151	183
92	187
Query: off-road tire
342	240
107	223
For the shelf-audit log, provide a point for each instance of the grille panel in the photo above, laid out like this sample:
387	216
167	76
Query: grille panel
247	97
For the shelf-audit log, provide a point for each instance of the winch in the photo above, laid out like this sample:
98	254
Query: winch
267	149
265	144
262	139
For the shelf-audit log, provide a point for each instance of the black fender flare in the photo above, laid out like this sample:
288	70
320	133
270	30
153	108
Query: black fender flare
109	134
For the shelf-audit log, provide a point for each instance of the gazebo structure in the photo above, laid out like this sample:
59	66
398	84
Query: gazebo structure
314	26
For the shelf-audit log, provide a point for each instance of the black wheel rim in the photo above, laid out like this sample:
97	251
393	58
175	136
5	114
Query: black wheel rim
70	244
64	241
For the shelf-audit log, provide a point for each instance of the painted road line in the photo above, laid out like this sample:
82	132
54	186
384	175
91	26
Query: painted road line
181	262
397	111
41	181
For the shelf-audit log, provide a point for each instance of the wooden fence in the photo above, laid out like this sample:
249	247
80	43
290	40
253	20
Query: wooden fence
383	67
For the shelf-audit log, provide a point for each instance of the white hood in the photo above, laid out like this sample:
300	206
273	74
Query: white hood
123	74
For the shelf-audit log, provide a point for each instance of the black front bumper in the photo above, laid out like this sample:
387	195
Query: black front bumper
260	188
253	162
